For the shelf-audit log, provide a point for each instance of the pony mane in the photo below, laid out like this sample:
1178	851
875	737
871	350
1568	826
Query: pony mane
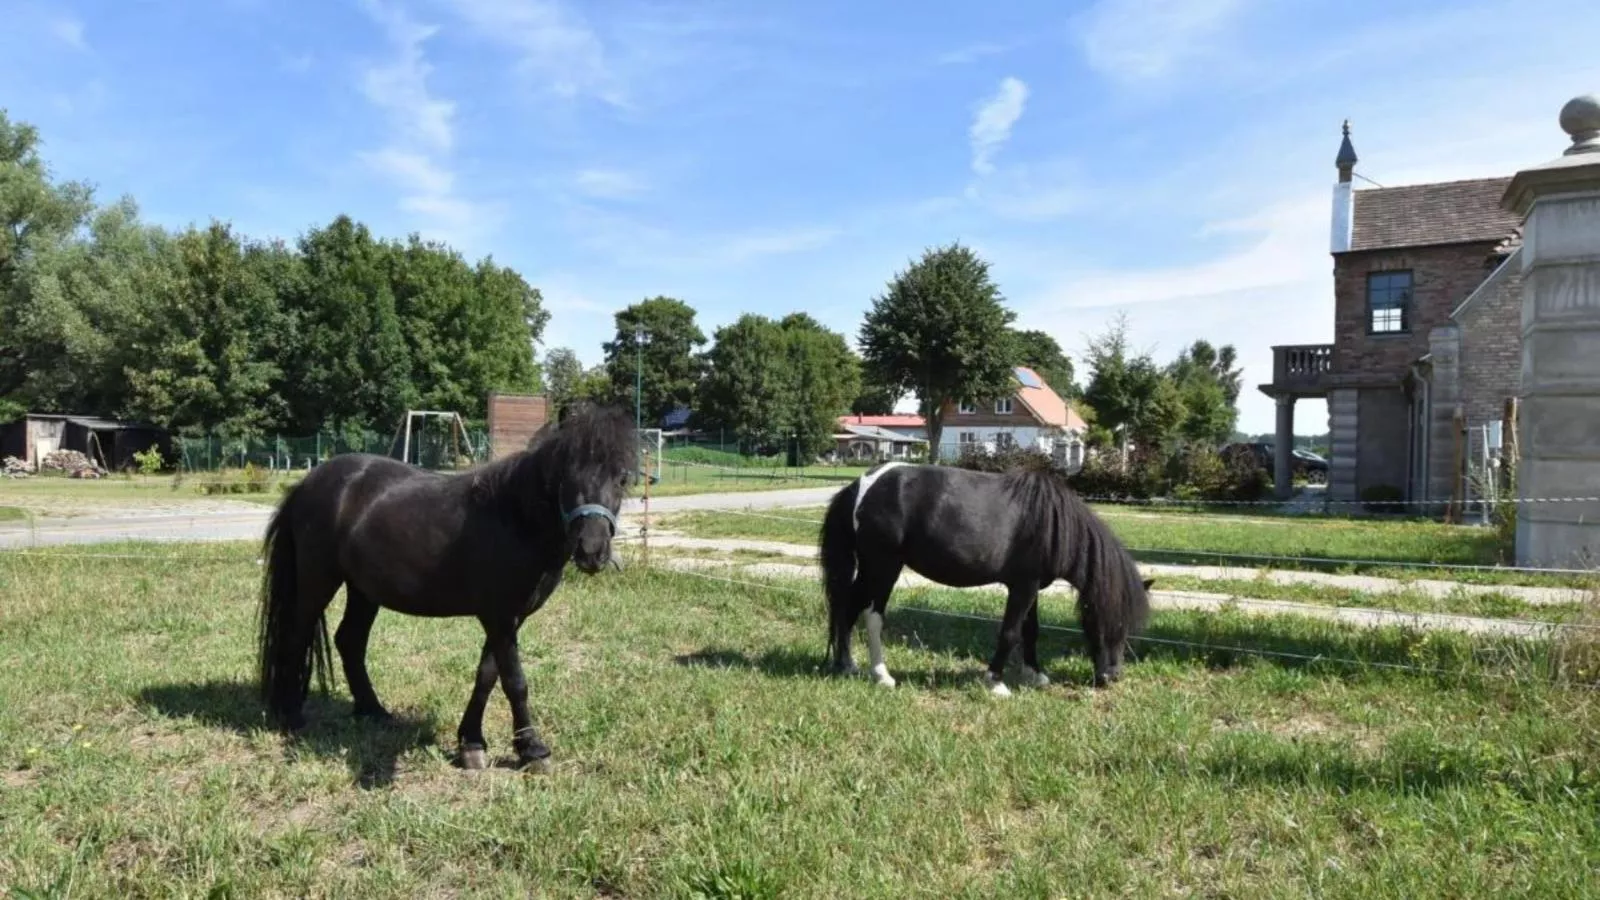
596	437
1075	542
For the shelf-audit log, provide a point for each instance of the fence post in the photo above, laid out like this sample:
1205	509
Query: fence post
645	533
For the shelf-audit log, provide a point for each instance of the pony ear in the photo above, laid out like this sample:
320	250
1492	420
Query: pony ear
1148	582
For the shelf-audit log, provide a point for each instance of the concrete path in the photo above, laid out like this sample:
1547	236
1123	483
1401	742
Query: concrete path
1160	599
1538	596
211	521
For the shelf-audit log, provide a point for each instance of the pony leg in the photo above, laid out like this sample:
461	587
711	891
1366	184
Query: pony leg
309	643
1100	653
1018	602
1032	672
469	734
351	640
842	622
531	751
872	592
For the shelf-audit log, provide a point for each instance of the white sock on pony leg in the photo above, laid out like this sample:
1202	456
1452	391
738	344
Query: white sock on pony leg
880	671
1035	678
994	684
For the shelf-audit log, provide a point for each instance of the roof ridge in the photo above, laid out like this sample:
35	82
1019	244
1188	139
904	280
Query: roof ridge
1427	184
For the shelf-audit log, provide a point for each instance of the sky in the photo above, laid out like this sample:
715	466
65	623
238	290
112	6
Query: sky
1170	160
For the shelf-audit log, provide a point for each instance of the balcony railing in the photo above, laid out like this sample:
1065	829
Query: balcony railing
1301	365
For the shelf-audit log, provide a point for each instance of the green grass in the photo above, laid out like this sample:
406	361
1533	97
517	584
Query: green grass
700	754
1387	548
13	514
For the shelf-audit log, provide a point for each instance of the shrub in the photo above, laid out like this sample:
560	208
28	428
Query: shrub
1006	459
149	461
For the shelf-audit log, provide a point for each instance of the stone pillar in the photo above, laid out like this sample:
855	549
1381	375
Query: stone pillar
1283	449
1344	409
1560	408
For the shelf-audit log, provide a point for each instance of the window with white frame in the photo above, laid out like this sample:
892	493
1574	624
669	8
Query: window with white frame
1005	440
967	438
1002	407
967	408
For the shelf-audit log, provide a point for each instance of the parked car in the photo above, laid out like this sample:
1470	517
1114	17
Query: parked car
1310	466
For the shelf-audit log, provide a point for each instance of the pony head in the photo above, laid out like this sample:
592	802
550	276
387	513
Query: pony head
589	460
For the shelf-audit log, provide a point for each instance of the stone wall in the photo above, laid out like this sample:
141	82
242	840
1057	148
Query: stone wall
1442	277
1491	348
1382	453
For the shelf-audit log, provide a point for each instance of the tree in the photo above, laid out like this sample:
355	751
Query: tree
1131	393
940	331
350	367
562	376
197	359
745	386
40	330
822	377
1040	352
671	368
874	399
1209	385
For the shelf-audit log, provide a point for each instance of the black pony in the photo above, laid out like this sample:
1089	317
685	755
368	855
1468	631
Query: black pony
491	542
964	528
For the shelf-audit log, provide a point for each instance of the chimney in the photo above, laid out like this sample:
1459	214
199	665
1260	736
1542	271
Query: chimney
1344	195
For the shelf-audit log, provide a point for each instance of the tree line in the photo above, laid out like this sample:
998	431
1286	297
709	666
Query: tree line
940	332
208	330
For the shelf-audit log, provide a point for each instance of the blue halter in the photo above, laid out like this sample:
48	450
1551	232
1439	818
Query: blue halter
591	509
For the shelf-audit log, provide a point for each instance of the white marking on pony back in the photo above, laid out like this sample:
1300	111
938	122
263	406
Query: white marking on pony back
863	484
880	670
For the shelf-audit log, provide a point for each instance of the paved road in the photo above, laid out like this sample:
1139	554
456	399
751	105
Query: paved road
246	523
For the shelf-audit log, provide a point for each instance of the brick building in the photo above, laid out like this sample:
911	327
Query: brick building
1427	313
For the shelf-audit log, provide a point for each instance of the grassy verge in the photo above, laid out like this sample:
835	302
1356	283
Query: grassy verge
699	754
13	514
1386	548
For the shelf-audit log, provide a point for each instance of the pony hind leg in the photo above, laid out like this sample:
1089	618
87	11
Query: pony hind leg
1104	654
351	641
871	592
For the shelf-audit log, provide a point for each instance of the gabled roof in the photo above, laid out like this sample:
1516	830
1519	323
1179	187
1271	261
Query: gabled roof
1418	215
880	434
1046	405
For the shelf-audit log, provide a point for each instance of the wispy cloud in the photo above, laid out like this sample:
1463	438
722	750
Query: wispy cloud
993	121
1144	40
1032	192
608	184
554	45
416	159
69	31
973	52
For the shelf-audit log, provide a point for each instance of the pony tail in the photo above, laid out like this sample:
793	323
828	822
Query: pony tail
838	557
286	659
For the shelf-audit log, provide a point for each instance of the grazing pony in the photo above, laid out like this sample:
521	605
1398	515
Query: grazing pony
963	528
491	542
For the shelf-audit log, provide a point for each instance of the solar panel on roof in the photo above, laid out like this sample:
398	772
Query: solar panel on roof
1027	378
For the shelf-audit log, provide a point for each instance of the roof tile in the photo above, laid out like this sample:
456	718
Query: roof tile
1450	212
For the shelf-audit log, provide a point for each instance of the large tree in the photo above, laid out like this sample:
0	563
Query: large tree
823	377
1040	352
745	382
940	331
669	369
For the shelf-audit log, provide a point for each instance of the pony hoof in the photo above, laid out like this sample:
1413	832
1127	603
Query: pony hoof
882	678
995	686
849	671
540	766
380	715
474	759
1036	678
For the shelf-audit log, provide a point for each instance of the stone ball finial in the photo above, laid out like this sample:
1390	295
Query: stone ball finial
1580	118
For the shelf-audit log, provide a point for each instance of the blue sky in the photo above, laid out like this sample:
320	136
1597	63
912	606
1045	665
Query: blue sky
1171	160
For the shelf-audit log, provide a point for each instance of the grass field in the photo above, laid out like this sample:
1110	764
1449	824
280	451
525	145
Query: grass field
1379	547
700	755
